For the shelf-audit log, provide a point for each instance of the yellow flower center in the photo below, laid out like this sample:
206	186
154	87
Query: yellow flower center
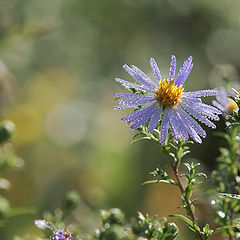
232	105
168	94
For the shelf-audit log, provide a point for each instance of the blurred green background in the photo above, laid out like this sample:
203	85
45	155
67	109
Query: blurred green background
58	60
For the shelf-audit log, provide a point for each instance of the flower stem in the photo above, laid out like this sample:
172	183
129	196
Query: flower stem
180	185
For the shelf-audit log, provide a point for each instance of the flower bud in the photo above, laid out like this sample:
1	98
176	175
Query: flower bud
70	201
115	232
7	129
172	231
113	216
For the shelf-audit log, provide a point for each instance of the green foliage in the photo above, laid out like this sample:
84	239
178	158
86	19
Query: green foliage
145	135
226	178
177	150
232	196
192	178
191	224
162	177
113	216
115	227
54	221
207	232
144	227
8	161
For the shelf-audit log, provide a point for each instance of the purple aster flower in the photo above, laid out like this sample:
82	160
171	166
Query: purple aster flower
61	235
165	100
224	103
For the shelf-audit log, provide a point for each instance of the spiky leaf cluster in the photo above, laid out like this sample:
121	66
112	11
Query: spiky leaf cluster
142	227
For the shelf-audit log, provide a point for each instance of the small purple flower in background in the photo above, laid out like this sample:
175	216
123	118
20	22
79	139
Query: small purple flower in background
57	234
224	103
167	101
61	235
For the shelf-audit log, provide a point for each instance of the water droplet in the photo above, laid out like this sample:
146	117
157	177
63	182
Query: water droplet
213	202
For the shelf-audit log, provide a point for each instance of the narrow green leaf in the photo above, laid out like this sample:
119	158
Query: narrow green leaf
185	153
159	181
228	195
197	182
201	175
188	166
194	200
157	131
137	134
190	224
206	228
173	156
225	228
186	176
139	139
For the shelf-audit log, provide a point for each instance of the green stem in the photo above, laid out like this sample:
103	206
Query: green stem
233	149
180	185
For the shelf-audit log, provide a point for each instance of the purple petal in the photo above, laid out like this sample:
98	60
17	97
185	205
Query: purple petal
178	128
194	135
154	121
210	108
188	71
202	93
204	109
164	127
139	111
137	101
191	99
172	68
222	97
140	77
144	76
201	106
139	116
131	96
190	122
184	71
156	70
219	106
195	113
140	121
173	131
191	125
132	85
209	114
133	103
